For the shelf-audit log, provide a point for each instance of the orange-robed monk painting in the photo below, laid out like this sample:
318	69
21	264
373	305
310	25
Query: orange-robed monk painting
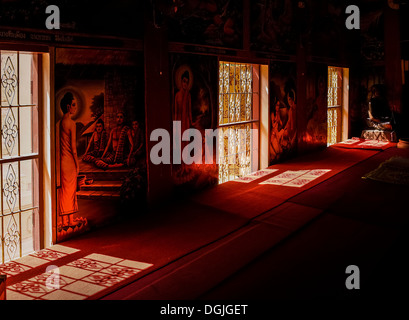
69	166
68	170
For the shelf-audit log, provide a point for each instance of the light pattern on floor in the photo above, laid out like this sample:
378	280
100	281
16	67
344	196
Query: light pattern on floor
373	143
256	175
76	280
36	259
296	179
351	141
367	143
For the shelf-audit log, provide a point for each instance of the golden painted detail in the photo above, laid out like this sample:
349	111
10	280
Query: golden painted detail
334	86
235	92
235	152
334	121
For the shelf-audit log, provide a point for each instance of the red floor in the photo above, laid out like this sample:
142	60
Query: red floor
249	241
299	249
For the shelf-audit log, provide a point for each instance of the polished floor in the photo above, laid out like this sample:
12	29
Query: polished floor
240	240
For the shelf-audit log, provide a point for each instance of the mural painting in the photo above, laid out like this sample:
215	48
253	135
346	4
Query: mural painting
372	30
194	101
100	143
274	26
314	133
206	22
283	108
325	21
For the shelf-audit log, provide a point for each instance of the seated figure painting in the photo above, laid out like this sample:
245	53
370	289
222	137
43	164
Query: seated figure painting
114	155
135	136
97	143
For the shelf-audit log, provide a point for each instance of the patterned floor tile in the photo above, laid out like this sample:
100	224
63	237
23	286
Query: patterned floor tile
84	288
103	258
31	261
12	269
88	264
121	271
64	249
74	273
63	295
49	255
103	279
12	295
135	264
30	288
52	279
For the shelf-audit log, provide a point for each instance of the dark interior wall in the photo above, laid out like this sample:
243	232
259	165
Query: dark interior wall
393	71
313	35
404	30
215	23
310	34
361	81
274	26
113	18
325	34
378	62
368	67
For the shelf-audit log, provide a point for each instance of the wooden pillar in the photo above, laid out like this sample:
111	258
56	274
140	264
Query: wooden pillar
157	106
302	48
301	112
393	72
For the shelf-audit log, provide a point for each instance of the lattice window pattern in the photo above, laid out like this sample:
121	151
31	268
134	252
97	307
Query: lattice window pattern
235	150
18	157
235	92
334	111
236	120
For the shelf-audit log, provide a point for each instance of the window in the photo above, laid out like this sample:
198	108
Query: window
338	105
335	92
238	119
19	155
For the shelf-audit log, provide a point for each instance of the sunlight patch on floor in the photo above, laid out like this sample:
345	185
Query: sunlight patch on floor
76	280
296	179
